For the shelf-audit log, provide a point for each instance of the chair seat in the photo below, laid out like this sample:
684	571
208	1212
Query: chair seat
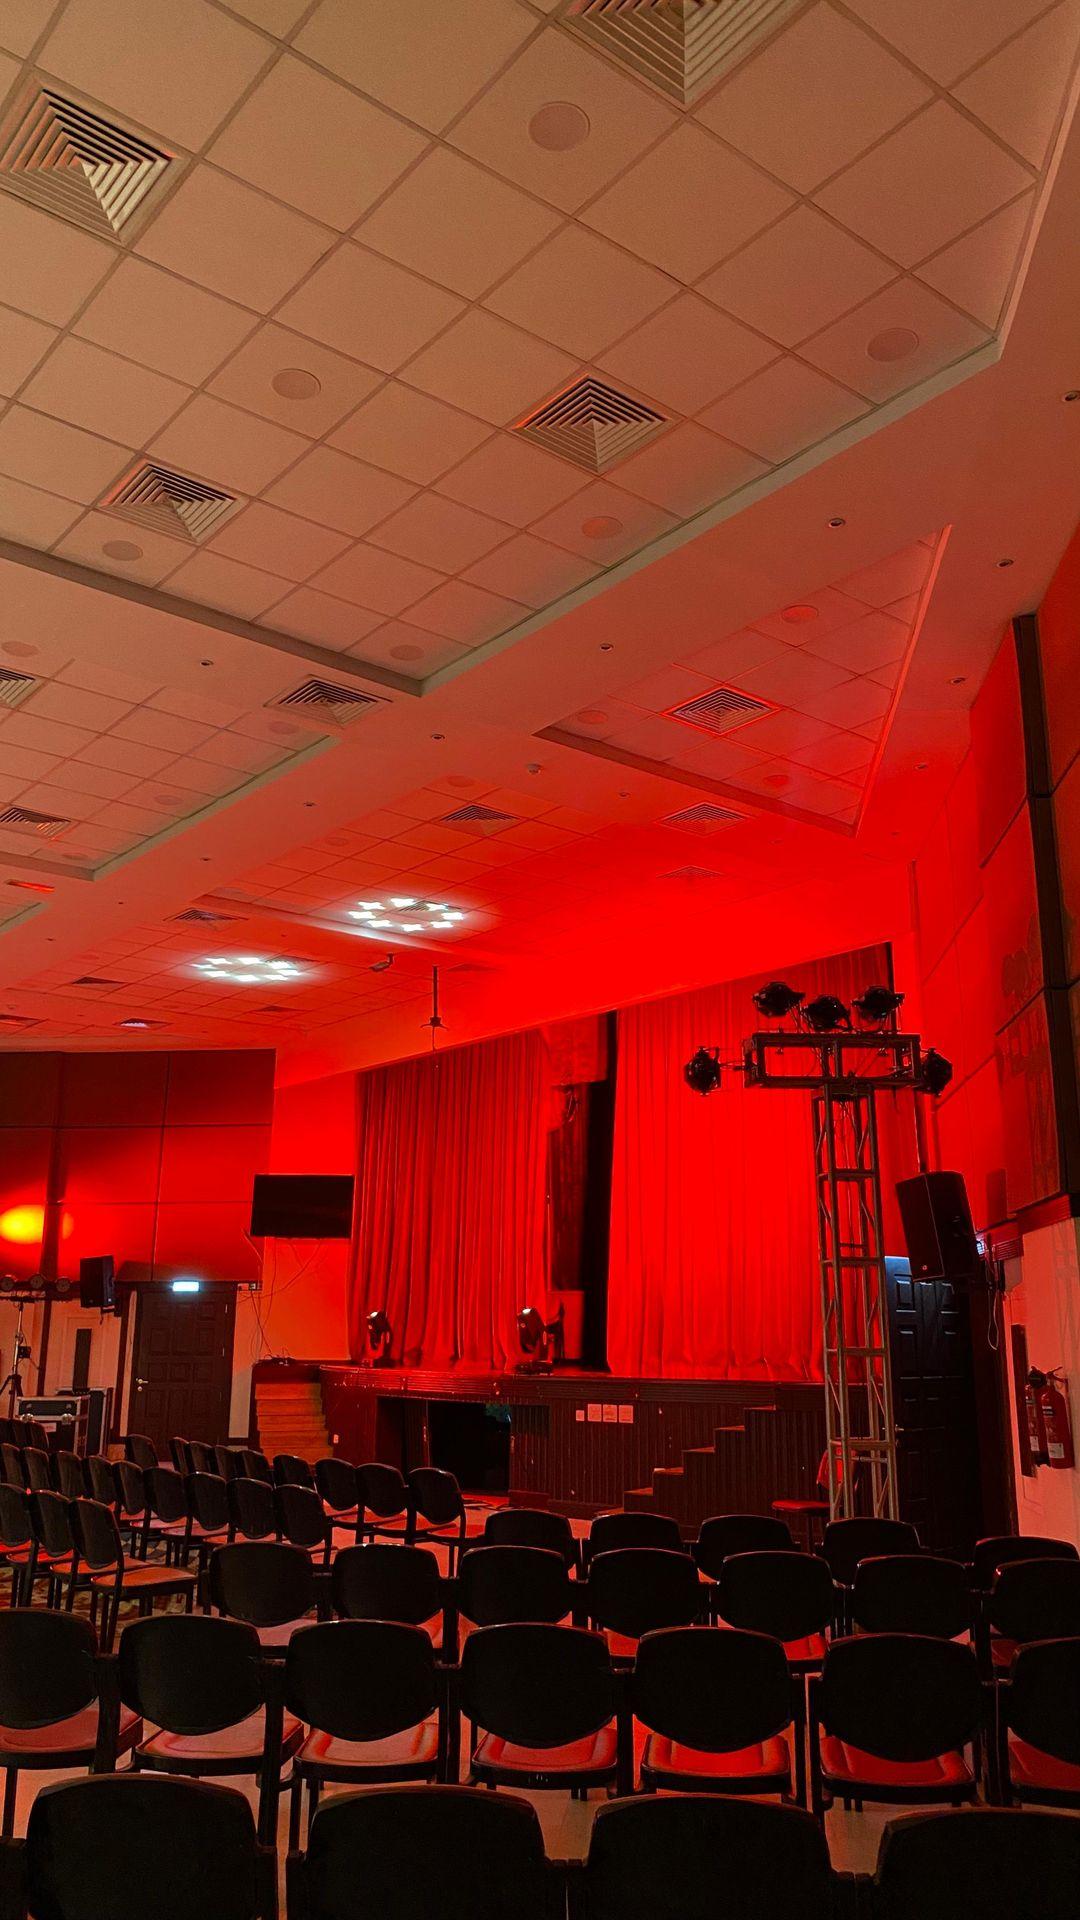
621	1646
77	1734
944	1771
1030	1767
806	1653
593	1754
229	1746
139	1577
341	1516
282	1633
412	1747
765	1765
800	1506
1002	1652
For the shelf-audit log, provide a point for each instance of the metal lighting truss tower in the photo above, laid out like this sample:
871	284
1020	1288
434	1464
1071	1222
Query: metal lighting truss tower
844	1073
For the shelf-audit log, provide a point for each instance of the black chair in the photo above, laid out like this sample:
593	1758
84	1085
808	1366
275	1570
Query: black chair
532	1527
54	1551
997	1549
498	1585
100	1480
291	1471
140	1450
424	1851
268	1583
891	1717
719	1709
208	1507
302	1520
123	1846
253	1513
610	1532
37	1469
131	1505
373	1701
437	1511
338	1489
911	1593
1039	1725
170	1512
57	1709
202	1456
542	1702
113	1577
255	1465
787	1595
849	1541
68	1474
383	1495
11	1464
180	1454
215	1703
1029	1600
728	1533
383	1582
17	1542
1001	1865
636	1590
699	1857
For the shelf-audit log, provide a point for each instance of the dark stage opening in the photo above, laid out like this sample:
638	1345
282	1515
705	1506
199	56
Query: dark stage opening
472	1441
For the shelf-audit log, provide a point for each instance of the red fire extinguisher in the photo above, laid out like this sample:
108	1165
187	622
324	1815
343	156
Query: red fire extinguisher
1054	1426
1035	1441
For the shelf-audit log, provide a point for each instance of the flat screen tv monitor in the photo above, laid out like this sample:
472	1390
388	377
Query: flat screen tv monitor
302	1206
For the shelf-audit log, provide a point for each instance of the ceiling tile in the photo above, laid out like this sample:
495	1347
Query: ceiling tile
689	469
457	224
946	41
264	536
620	119
408	650
976	272
1020	92
653	737
369	307
274	728
804	133
783	410
490	369
465	614
798	787
409	433
512	480
686	354
277	16
832	610
670	687
22	21
943	336
687	203
45	736
76	707
854	704
791	677
90	388
803	273
627	524
22	343
50	799
164	730
580	292
248	380
31	516
319	617
425	60
727	759
890	579
784	731
225	584
226	446
49	267
196	776
233	240
231	750
163	322
839	754
440	533
380	581
77	776
924	185
329	487
313	143
530	570
24	764
128	756
867	644
153	555
195	706
47	453
736	654
178	80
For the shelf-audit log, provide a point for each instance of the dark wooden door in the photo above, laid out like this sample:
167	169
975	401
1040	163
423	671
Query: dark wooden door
181	1370
935	1409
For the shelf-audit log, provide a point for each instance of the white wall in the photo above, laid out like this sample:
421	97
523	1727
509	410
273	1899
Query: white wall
1046	1303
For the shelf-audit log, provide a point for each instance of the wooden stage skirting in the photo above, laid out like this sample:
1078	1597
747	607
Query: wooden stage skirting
579	1442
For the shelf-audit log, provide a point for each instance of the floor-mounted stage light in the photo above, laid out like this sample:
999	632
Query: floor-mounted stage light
877	1005
827	1014
540	1340
378	1334
702	1073
776	1000
937	1071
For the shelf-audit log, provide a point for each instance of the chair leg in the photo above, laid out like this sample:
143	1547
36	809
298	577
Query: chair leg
295	1792
312	1801
11	1788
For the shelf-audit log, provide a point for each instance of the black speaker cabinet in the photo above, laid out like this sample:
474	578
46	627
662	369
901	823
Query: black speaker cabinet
938	1229
96	1283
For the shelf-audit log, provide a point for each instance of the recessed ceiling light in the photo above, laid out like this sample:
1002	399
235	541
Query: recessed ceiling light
296	383
592	716
206	663
1073	394
1006	563
559	125
19	649
778	779
402	913
799	614
837	520
462	782
607	646
601	526
122	550
921	766
442	736
249	969
406	653
958	680
893	343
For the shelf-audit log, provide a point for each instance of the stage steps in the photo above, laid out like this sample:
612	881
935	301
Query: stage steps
768	1453
290	1419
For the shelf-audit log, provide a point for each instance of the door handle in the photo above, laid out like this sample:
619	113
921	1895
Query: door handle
140	1382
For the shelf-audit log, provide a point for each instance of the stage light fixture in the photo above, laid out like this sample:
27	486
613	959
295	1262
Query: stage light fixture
776	1000
702	1074
404	913
827	1014
378	1334
937	1071
249	970
877	1005
540	1340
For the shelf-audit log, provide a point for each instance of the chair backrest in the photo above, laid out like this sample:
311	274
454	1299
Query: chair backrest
711	1690
231	1463
203	1456
48	1668
166	1491
252	1509
11	1463
500	1584
51	1518
118	1845
208	1501
68	1472
997	1549
336	1482
361	1679
100	1479
728	1533
531	1527
849	1541
1036	1600
382	1489
190	1673
386	1583
301	1515
435	1496
611	1531
139	1448
130	1483
457	1852
255	1465
265	1581
96	1534
635	1590
999	1860
36	1465
789	1595
698	1857
901	1696
180	1454
16	1525
291	1470
35	1435
1043	1699
912	1593
538	1685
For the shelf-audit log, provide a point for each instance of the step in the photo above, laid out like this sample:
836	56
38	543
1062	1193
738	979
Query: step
667	1489
638	1500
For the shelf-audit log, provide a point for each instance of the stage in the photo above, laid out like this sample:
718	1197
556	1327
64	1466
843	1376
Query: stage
579	1442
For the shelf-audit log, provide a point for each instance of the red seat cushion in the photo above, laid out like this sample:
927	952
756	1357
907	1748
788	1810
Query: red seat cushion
808	1652
139	1577
413	1746
1030	1767
767	1762
280	1636
1003	1652
800	1506
78	1733
842	1763
594	1753
244	1741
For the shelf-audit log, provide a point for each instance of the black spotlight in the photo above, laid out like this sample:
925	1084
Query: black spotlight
877	1005
378	1334
540	1340
777	1000
702	1073
826	1014
937	1071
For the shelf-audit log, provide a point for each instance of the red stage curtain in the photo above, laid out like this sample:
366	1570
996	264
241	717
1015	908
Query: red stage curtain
713	1231
451	1184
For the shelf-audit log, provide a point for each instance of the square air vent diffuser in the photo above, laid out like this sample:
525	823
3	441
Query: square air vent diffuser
202	917
95	980
14	687
43	826
170	502
69	160
693	876
705	818
328	701
592	425
681	46
719	711
477	819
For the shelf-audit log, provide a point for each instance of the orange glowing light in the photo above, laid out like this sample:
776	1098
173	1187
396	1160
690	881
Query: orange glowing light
25	1226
